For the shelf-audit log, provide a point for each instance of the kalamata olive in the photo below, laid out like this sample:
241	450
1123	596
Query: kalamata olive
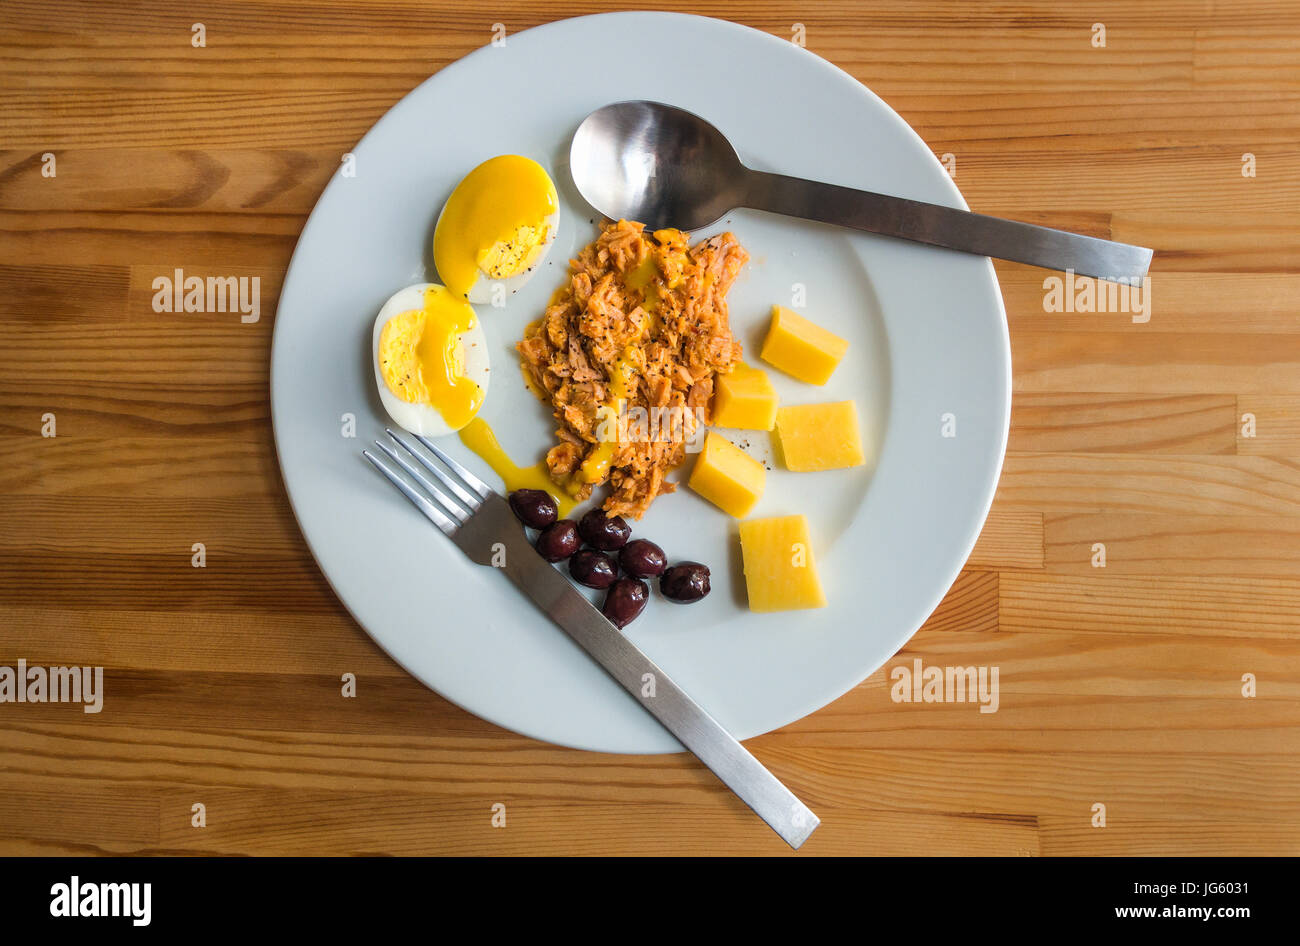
593	569
625	599
558	541
607	533
534	507
641	558
685	582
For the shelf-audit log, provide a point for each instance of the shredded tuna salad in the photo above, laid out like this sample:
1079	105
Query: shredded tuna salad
641	323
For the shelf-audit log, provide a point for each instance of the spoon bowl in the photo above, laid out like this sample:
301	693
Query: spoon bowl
657	164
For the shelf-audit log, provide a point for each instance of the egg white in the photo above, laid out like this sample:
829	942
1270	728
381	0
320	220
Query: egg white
481	292
424	419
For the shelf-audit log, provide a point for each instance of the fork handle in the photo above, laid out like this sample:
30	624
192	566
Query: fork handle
683	717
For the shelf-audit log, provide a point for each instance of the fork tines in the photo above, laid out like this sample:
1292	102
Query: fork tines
442	510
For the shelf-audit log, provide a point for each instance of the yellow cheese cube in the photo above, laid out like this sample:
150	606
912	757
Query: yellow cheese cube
779	571
800	348
820	436
727	476
745	399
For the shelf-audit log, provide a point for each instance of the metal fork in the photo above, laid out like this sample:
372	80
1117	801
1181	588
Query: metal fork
479	520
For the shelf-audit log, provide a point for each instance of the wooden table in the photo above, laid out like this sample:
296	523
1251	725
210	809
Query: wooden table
1120	686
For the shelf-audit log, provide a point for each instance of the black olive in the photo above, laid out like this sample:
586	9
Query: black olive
607	533
625	600
641	558
558	541
685	582
534	507
593	569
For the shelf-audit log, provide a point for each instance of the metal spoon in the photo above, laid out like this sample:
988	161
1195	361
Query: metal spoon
666	167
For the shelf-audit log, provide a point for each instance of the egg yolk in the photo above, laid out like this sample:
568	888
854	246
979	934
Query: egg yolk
495	222
423	361
480	438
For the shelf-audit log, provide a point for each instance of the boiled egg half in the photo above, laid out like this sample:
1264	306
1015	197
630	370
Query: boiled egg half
431	360
496	228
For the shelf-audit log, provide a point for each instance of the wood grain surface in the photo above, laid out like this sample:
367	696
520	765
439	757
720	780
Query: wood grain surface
1120	686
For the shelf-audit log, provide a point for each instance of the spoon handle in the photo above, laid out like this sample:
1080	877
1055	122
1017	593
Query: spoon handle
943	226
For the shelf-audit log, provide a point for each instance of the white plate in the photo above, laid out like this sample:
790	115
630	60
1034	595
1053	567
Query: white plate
928	337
